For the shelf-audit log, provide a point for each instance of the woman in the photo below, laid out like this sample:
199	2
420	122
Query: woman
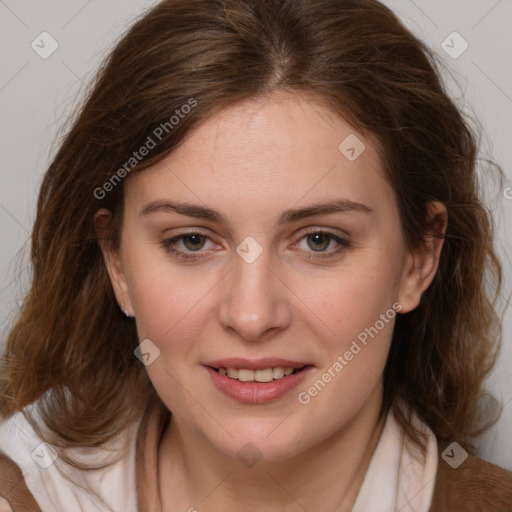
261	277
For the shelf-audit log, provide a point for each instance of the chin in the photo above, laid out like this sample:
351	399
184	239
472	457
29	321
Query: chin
267	445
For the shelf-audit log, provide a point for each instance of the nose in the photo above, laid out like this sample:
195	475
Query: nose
254	302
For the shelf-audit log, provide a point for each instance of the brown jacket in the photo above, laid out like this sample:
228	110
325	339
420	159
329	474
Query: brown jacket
475	486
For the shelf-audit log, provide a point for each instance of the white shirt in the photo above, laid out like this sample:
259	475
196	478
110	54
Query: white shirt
398	478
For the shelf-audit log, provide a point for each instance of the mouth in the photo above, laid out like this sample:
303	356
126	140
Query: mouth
263	375
258	381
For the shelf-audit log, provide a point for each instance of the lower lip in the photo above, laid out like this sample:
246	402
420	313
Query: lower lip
257	392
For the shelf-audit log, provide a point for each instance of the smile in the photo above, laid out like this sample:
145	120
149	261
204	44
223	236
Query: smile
264	382
265	375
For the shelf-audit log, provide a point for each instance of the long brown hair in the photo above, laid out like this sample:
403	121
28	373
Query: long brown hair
72	348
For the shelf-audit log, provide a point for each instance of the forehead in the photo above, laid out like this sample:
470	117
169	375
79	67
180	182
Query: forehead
269	153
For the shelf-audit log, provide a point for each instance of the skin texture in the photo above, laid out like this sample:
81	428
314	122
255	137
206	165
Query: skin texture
251	162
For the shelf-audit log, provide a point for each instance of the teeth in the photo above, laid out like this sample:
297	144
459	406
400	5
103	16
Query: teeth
266	375
246	375
278	373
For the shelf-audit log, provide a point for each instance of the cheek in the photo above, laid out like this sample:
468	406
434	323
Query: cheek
171	308
167	303
164	296
349	300
358	309
356	304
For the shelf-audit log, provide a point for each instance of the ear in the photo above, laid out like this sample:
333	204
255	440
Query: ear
422	260
113	262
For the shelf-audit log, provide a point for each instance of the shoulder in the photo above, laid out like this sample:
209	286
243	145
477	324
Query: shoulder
14	494
34	476
475	485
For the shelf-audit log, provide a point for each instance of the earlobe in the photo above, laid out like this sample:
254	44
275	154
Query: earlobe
112	260
422	260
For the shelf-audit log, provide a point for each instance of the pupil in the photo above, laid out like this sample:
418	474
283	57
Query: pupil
320	241
193	242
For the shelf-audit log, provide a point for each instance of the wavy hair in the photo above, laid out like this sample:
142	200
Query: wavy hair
71	349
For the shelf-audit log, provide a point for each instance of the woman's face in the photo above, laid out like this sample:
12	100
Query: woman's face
270	239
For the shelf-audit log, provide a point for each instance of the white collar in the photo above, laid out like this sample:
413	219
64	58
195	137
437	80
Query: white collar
53	492
399	477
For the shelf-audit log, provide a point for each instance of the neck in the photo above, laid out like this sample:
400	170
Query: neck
193	474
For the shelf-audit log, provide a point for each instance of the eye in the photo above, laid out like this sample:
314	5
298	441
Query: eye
193	241
318	241
324	243
187	246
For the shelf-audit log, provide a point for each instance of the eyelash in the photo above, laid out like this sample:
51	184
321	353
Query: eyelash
169	246
343	244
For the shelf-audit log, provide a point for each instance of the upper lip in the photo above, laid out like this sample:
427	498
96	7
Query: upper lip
255	364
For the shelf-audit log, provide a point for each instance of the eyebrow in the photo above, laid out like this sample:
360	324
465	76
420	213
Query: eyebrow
288	216
324	208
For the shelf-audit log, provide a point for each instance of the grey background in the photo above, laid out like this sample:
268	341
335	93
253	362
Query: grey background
37	94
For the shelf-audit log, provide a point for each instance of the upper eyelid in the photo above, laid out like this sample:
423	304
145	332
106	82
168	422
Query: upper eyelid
341	240
328	231
179	237
339	236
314	229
